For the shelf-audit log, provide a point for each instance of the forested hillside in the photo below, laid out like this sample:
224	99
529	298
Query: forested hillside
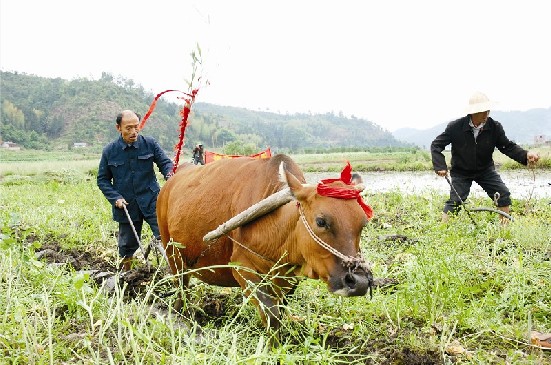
45	113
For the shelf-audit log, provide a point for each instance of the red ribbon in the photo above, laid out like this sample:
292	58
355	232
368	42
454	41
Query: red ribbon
344	193
184	112
183	124
154	104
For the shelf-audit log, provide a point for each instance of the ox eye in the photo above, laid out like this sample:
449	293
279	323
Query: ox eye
321	222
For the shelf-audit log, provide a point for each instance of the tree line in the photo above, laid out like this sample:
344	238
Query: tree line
53	113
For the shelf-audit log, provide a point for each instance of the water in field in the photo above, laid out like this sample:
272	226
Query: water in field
523	183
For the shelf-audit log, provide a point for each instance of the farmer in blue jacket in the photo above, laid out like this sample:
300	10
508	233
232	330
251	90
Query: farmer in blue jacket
126	177
473	139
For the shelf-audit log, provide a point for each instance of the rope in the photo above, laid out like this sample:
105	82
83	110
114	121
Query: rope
248	249
532	167
348	261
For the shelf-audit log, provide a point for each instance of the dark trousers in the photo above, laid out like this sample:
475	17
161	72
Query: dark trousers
489	180
128	244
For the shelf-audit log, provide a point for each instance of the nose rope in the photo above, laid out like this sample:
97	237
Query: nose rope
348	261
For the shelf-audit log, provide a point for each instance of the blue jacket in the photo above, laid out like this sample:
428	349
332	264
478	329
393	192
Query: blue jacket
470	156
127	172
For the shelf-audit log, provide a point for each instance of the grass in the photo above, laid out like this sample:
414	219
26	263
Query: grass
365	161
466	294
30	163
26	163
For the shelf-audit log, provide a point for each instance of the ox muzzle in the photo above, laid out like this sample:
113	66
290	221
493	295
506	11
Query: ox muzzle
352	282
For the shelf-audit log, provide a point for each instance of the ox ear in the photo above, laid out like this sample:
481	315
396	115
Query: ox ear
282	173
294	184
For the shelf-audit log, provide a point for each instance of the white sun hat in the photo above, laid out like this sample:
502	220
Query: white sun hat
479	102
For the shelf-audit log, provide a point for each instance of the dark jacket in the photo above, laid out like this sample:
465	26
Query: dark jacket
470	156
127	172
198	154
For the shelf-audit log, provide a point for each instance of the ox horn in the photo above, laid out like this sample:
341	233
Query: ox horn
264	206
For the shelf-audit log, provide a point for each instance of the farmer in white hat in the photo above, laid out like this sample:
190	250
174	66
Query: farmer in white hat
473	139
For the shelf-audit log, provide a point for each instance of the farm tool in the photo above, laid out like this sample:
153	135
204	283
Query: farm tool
154	242
480	209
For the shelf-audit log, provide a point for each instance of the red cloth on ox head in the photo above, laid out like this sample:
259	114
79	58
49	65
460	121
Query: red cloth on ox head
344	193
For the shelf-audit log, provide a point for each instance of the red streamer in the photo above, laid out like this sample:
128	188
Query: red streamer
344	193
184	112
183	124
153	105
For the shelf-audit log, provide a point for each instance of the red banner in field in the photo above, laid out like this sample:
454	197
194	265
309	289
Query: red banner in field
213	156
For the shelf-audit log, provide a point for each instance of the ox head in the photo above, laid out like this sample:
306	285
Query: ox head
332	216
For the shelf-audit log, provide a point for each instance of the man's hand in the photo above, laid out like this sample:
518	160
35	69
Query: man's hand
120	203
532	157
442	173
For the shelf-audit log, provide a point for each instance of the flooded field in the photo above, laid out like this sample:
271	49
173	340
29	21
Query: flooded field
522	183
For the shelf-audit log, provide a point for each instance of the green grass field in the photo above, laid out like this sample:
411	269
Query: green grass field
465	294
28	163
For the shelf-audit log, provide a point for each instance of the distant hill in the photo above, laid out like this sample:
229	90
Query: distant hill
520	126
299	131
45	113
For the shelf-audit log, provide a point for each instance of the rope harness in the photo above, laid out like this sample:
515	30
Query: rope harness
324	189
352	263
247	249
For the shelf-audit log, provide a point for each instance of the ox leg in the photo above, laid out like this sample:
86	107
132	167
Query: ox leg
269	309
291	287
182	282
178	269
266	299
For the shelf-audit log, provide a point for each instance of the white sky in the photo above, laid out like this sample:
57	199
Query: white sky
397	63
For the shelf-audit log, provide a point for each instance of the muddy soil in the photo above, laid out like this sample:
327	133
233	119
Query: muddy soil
137	282
100	269
213	309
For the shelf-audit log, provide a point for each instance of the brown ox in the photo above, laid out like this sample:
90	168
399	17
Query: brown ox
197	200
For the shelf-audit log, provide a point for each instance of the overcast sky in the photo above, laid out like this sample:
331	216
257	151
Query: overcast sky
396	63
